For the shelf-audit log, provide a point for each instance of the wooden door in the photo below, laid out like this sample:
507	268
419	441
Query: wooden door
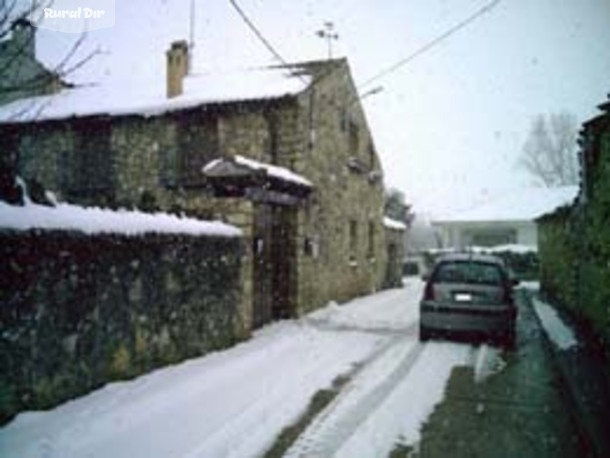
274	257
283	259
261	266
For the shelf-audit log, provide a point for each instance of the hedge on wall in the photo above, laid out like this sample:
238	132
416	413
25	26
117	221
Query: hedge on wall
574	247
77	310
557	259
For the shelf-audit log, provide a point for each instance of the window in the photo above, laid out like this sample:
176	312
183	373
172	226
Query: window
272	130
197	146
371	247
491	237
311	247
88	171
9	145
469	272
371	156
343	117
354	138
353	240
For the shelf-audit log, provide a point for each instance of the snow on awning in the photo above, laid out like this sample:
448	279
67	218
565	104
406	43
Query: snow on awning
97	220
242	166
394	224
148	98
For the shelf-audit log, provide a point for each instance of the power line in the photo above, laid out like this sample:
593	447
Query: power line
278	56
487	8
257	32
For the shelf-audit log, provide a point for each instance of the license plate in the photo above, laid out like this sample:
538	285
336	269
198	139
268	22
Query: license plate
463	297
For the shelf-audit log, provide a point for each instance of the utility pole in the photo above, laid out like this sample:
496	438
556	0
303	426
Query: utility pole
328	33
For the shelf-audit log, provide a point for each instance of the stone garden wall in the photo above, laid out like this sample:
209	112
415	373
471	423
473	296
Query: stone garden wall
79	310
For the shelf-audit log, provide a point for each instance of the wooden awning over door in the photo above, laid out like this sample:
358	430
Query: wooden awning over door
259	182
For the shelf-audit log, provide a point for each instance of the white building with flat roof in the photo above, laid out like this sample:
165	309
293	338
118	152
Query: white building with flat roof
506	220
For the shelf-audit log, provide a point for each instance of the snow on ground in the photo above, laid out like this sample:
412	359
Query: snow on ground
388	402
559	333
234	403
401	414
228	404
530	284
390	310
488	361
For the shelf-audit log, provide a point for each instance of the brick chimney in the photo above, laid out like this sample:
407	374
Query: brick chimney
177	67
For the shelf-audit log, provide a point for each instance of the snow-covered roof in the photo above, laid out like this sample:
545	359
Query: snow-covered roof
275	171
149	98
394	224
523	205
511	248
97	220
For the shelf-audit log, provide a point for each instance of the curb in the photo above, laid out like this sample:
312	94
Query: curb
586	384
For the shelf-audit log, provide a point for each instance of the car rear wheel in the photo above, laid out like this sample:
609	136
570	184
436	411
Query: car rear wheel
508	340
424	334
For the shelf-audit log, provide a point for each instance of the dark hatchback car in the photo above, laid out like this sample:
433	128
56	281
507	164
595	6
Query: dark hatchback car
469	294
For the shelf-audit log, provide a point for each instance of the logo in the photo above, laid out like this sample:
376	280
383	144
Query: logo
72	16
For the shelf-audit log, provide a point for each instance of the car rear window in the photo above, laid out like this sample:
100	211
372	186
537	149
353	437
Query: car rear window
469	272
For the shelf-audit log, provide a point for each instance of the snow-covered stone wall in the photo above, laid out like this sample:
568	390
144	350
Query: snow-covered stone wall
78	310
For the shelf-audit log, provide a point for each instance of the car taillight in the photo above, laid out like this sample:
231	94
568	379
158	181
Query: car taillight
429	292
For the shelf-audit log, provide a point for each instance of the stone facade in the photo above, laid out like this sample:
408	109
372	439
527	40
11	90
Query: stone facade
333	240
343	219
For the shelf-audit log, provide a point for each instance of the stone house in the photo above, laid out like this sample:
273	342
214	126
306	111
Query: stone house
21	75
284	153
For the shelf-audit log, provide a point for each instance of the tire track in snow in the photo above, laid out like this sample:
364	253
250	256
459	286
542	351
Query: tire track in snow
228	441
409	330
333	427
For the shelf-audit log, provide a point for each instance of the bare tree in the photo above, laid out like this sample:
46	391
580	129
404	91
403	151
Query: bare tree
23	76
550	151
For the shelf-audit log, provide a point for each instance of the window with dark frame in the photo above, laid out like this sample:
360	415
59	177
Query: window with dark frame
371	156
354	138
197	146
89	168
353	240
272	130
371	244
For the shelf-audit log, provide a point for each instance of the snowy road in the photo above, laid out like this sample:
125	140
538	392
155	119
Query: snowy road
236	402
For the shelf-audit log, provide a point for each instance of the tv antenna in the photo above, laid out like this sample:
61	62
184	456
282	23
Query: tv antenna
328	33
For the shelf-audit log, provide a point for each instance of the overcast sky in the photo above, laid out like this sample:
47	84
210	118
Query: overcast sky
449	126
